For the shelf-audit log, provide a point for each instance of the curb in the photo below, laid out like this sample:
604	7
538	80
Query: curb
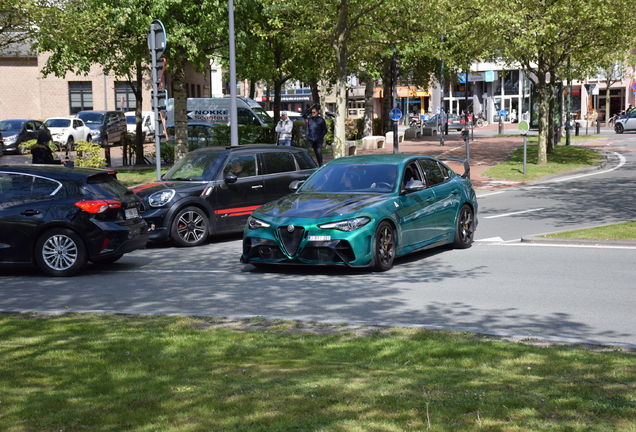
577	242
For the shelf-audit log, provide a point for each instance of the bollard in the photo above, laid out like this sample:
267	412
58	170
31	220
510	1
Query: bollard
577	126
598	127
501	126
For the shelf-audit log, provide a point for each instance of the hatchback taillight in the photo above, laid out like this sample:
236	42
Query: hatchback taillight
97	206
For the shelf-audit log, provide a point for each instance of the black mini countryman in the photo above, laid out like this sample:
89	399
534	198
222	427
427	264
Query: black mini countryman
213	190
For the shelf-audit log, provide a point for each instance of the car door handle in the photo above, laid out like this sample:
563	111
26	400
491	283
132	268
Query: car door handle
257	186
454	192
30	213
430	199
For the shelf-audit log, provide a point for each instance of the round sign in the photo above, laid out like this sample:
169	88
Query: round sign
524	127
634	85
503	112
395	114
437	111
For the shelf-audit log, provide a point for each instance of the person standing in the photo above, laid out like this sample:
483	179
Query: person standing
41	152
284	129
315	132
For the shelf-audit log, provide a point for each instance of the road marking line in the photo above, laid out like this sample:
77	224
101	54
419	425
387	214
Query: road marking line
491	193
512	214
491	239
168	271
622	162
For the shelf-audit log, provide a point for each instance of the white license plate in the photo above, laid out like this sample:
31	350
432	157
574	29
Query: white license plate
319	238
131	213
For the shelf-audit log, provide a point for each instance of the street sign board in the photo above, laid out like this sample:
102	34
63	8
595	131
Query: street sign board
395	114
634	86
157	37
524	127
503	112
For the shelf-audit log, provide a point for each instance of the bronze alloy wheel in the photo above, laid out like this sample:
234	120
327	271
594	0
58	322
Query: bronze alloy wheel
384	247
465	228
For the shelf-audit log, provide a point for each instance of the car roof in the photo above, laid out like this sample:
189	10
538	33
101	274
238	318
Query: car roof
247	147
391	159
54	171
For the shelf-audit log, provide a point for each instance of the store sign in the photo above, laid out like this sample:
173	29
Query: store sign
491	76
476	76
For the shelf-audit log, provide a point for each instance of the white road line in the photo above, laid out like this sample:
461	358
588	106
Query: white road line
520	243
512	214
491	239
489	194
622	162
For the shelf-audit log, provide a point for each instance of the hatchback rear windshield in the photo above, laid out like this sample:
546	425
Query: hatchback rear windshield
91	117
107	184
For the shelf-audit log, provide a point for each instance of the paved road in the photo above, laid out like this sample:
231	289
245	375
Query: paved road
499	286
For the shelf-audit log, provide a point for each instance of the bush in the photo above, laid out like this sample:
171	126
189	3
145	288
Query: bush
89	155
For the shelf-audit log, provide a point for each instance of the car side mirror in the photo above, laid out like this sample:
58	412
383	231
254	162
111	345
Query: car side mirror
414	186
230	178
295	185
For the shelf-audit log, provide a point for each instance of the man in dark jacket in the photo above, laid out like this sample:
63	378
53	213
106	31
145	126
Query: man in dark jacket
41	152
315	132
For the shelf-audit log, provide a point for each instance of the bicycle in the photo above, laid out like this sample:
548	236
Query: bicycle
481	122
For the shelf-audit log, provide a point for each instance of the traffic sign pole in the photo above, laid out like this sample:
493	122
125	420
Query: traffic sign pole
395	115
157	46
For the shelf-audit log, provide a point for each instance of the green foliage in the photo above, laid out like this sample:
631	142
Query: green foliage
247	134
298	134
378	127
354	128
89	155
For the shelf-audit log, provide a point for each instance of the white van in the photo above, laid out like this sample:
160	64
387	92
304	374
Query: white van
217	111
147	124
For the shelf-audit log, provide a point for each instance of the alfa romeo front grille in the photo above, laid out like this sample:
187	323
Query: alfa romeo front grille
290	237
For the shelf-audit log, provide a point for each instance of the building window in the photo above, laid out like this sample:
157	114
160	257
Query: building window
123	90
80	95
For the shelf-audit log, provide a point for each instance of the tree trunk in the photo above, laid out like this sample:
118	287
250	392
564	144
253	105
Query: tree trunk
139	142
368	107
387	91
180	115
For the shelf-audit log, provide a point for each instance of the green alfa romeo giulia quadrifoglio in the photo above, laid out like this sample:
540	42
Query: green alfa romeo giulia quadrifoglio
364	211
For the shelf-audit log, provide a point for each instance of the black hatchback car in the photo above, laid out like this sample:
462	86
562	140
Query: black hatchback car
213	190
60	218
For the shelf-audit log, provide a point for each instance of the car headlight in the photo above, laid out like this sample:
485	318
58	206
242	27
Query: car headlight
159	199
254	223
347	225
10	139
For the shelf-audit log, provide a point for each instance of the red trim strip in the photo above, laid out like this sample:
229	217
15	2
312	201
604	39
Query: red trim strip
237	211
146	186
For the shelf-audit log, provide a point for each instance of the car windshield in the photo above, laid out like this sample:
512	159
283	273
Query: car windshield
261	114
8	125
197	166
349	178
131	120
58	123
91	117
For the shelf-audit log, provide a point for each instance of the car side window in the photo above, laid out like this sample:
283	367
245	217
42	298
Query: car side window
76	124
411	172
304	160
241	166
246	117
277	162
44	188
433	172
30	126
15	187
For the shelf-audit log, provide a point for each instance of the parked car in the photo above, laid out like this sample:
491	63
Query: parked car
364	211
67	131
626	124
107	127
214	189
454	121
60	218
17	131
1	144
147	124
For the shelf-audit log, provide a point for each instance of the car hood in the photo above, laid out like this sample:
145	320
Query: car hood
182	187
319	205
10	132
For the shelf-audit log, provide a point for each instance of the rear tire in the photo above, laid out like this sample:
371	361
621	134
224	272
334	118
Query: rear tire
465	231
189	227
60	252
619	129
70	144
383	247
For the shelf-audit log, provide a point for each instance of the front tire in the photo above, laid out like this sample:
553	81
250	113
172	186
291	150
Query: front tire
465	231
189	227
70	144
383	247
60	252
619	129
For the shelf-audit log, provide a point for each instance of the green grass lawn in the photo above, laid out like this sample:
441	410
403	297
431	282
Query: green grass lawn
131	177
78	372
625	231
564	159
